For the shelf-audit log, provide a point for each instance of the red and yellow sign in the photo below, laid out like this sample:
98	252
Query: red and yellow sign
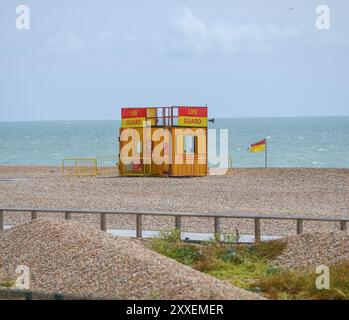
192	116
133	117
133	112
192	112
192	122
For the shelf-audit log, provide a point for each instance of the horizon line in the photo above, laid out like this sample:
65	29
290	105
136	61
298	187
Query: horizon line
222	117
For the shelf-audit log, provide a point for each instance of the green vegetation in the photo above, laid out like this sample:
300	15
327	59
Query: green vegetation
168	244
288	284
6	283
250	267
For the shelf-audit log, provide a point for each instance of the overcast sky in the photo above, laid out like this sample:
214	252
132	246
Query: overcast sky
86	59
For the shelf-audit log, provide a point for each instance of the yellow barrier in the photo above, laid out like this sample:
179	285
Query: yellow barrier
128	170
108	166
90	167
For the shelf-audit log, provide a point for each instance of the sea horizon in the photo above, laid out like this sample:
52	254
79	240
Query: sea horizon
307	141
210	116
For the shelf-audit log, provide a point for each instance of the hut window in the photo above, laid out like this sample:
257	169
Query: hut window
189	144
139	147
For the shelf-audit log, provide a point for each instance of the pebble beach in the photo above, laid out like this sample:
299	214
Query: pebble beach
311	250
279	191
81	260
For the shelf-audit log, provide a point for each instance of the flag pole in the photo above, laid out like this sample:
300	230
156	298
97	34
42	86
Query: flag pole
266	153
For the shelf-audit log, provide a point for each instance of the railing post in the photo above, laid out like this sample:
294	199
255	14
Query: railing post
34	215
28	295
257	230
103	222
217	228
76	168
299	226
1	220
178	225
343	225
139	226
67	216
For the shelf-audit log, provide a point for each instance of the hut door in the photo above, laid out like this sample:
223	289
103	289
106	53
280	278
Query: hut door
190	154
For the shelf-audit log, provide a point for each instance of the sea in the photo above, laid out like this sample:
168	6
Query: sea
319	142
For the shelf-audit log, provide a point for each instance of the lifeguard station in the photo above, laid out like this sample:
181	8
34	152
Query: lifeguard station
163	141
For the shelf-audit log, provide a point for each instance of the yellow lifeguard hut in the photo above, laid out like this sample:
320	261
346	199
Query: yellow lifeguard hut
163	141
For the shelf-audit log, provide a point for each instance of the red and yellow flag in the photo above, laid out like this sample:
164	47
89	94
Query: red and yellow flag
258	146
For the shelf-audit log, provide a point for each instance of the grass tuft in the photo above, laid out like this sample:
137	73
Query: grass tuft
168	243
7	283
290	284
251	267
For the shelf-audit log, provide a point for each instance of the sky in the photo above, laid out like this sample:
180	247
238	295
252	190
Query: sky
84	59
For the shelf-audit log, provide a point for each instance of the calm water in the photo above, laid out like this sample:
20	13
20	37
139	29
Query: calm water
293	142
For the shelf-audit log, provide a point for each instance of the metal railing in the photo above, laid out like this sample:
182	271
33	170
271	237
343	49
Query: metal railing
91	166
109	166
178	215
79	167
